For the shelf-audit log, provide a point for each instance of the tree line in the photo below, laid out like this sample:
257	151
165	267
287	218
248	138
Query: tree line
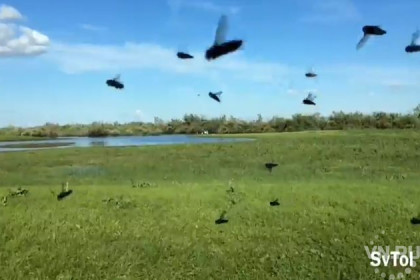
195	124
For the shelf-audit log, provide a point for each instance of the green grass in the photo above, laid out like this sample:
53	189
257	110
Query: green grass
337	190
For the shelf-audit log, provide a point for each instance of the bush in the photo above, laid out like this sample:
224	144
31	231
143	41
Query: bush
193	124
98	131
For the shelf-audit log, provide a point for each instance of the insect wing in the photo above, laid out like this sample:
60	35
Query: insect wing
362	41
221	30
415	37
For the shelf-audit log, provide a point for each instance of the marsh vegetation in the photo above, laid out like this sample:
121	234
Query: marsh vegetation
149	212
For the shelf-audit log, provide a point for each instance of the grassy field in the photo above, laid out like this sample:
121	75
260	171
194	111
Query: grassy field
337	192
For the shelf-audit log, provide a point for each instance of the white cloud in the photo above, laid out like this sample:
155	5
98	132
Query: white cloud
327	11
18	40
9	13
28	42
80	58
204	5
91	27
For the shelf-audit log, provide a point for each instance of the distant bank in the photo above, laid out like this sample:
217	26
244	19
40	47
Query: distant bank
196	125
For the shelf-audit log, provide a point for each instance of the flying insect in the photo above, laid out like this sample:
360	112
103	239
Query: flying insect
115	82
183	55
64	192
275	202
215	95
220	46
311	74
413	47
415	221
368	31
222	219
309	100
270	166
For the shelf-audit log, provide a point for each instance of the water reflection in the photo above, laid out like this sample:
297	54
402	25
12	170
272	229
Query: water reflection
120	141
98	143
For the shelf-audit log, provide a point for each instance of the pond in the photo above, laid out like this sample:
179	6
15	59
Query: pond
119	141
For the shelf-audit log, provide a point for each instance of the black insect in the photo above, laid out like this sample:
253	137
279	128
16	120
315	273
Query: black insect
116	83
64	191
221	46
310	74
368	31
275	202
63	195
183	55
413	47
270	166
373	30
19	192
222	219
215	96
415	221
309	100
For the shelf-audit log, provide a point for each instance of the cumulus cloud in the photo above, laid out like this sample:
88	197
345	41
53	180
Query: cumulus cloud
327	11
17	40
28	42
80	58
9	13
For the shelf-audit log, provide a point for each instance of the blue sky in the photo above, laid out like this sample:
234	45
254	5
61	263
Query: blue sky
80	44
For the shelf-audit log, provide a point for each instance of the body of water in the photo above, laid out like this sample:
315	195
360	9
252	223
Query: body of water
119	141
